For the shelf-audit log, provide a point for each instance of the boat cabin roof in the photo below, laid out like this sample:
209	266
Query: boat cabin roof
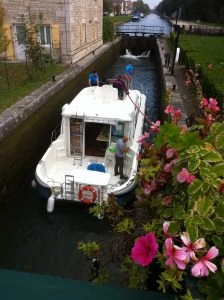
102	102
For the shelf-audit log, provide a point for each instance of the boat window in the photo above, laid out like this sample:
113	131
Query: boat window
117	131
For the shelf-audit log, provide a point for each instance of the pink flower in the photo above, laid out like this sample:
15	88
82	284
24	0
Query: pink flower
168	168
177	114
221	188
204	102
149	187
192	247
202	267
176	255
213	104
185	176
143	137
187	83
144	250
208	119
170	152
183	128
166	225
155	126
167	200
170	109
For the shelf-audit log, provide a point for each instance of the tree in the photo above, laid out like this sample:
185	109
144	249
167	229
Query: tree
205	10
140	7
33	48
3	38
107	6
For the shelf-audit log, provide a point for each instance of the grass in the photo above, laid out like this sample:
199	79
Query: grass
205	50
19	83
120	19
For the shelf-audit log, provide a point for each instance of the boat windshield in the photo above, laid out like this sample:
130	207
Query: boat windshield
117	131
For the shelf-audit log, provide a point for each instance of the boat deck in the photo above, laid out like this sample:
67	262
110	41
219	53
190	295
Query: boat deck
79	170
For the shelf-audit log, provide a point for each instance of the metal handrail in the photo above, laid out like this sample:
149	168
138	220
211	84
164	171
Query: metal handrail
55	133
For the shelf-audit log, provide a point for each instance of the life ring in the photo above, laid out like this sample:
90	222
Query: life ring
91	197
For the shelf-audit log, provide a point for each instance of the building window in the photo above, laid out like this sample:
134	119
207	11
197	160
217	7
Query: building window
83	33
45	35
20	32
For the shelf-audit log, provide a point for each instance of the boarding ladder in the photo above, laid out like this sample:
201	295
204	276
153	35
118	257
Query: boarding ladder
76	133
69	187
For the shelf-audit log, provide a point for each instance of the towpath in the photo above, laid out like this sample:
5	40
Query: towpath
182	98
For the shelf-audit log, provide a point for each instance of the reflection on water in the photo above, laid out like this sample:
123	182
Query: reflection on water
33	240
154	20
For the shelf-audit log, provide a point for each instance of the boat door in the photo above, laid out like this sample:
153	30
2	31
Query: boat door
19	34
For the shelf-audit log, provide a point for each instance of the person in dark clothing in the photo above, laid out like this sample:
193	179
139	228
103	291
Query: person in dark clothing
121	149
103	82
120	85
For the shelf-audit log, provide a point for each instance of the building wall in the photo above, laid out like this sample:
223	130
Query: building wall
79	24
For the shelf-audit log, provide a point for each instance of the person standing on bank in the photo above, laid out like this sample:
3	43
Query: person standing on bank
121	149
93	78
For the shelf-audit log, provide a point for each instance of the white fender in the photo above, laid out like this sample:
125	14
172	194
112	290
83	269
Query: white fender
50	204
33	184
100	216
177	55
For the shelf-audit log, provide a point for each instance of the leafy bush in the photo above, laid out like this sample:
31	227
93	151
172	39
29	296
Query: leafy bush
177	219
108	30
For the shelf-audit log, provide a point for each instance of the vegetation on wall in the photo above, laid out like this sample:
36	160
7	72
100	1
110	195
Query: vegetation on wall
3	39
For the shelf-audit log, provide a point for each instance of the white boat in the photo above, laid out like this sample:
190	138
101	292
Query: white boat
79	164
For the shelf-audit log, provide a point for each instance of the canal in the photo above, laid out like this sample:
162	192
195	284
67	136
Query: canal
33	240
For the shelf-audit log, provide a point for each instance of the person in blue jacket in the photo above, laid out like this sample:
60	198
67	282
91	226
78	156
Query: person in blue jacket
93	78
129	69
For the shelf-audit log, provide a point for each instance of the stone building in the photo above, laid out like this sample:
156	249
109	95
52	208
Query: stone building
122	7
70	29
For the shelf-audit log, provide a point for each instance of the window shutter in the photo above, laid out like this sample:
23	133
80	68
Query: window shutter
55	36
10	48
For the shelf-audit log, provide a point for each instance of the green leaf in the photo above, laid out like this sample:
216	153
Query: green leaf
174	227
207	224
218	241
193	232
219	141
204	205
219	224
193	165
205	187
218	169
179	212
197	220
216	183
220	209
213	157
195	186
167	212
188	221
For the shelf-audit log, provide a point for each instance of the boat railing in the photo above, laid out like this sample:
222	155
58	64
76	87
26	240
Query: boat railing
55	133
72	190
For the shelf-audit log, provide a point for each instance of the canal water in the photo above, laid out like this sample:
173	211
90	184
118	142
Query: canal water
33	240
